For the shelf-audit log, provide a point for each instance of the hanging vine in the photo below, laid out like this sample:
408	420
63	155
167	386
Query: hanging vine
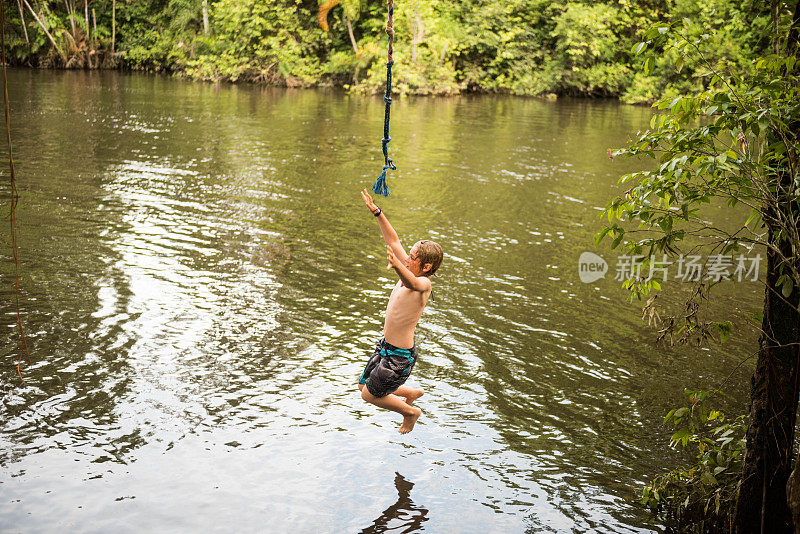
14	195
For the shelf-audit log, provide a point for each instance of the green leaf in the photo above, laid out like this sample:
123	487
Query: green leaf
638	48
753	214
708	478
656	285
786	287
599	237
725	328
669	415
681	436
711	110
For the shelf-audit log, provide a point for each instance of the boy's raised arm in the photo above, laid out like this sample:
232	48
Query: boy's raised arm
389	235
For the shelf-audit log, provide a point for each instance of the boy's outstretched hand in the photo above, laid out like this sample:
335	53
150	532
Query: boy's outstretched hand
368	201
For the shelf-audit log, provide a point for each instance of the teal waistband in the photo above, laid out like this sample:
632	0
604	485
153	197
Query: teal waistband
396	350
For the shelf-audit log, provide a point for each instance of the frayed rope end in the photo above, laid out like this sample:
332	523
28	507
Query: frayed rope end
380	187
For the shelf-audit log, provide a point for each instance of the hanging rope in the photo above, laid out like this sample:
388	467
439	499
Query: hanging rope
24	345
380	187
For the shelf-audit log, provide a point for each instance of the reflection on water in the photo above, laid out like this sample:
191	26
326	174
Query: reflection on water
202	286
403	516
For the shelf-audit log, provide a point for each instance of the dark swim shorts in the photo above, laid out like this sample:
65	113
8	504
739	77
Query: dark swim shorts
388	368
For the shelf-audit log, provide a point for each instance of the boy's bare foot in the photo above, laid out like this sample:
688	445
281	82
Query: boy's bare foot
414	395
409	421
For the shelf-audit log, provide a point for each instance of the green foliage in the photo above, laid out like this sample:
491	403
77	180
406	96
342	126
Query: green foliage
724	137
143	39
503	45
352	8
183	15
705	492
727	36
254	40
587	46
523	47
725	143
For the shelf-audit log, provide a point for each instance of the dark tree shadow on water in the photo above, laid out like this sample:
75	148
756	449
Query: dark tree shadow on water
403	516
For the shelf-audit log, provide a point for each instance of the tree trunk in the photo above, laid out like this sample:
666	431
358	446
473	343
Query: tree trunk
205	18
419	36
355	46
761	504
113	24
350	32
793	485
94	59
22	18
86	18
71	14
766	491
441	56
793	497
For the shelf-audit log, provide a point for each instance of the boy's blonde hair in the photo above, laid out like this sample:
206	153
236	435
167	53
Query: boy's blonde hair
430	252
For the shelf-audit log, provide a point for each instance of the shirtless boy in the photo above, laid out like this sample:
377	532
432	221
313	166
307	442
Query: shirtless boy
396	353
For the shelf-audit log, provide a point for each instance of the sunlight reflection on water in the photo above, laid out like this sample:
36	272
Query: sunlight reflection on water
203	288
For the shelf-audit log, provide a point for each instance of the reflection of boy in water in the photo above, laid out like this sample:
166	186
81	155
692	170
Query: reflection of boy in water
395	354
409	515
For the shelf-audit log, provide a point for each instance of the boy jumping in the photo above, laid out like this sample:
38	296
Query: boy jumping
396	353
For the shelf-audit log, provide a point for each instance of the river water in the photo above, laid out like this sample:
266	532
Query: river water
202	286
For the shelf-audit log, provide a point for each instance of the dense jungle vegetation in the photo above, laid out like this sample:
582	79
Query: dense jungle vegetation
535	47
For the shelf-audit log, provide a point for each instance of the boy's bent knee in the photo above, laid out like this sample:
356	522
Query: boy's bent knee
366	395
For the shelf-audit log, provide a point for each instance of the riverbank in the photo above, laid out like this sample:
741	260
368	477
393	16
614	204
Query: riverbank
107	62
